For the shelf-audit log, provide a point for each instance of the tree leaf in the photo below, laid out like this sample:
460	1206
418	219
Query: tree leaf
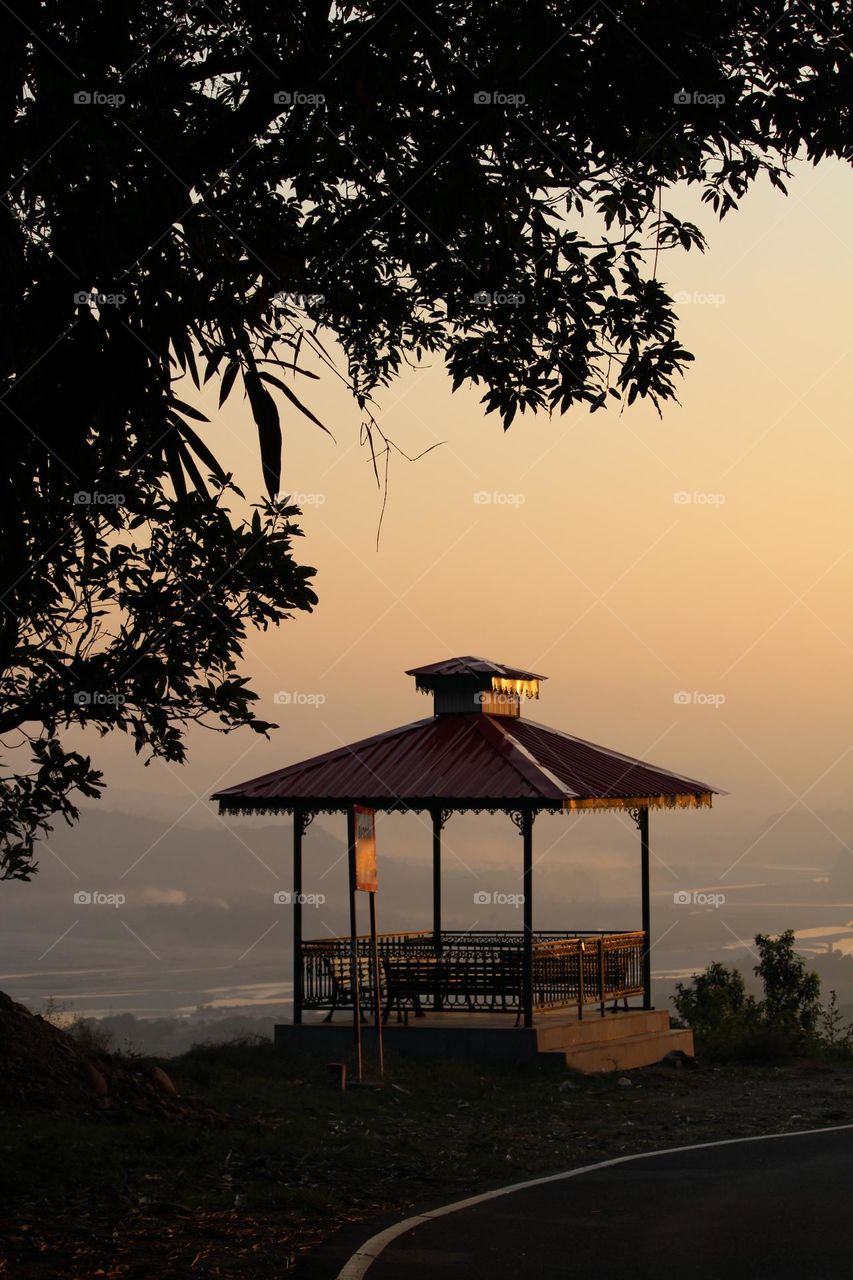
228	381
188	411
294	399
265	413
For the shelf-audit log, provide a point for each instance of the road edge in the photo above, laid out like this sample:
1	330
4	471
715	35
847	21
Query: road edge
356	1267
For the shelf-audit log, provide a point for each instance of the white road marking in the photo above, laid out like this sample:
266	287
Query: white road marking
356	1267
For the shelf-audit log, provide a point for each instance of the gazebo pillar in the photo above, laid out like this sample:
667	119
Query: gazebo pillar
643	824
438	818
524	822
437	823
300	822
437	894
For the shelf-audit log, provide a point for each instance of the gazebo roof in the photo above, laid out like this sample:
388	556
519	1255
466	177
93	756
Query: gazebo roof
467	761
473	666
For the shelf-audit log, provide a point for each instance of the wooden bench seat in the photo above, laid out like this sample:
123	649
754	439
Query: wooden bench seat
340	972
473	978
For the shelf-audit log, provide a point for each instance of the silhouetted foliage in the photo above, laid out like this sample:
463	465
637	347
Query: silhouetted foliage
208	192
833	1030
137	624
791	992
716	1002
790	1020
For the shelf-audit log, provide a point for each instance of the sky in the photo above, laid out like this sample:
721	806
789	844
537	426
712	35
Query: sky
683	581
628	557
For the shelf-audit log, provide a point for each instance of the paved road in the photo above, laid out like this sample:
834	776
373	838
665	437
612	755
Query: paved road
780	1209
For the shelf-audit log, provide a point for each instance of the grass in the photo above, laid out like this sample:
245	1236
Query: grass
299	1157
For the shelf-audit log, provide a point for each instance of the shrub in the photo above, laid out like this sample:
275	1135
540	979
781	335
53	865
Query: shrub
91	1036
715	1001
790	1021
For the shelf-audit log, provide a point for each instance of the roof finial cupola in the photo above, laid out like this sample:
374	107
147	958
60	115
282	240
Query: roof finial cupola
462	686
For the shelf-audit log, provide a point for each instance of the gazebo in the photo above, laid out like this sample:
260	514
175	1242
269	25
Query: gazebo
475	753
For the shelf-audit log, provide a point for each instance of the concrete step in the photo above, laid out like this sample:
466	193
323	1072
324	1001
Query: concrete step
594	1029
631	1051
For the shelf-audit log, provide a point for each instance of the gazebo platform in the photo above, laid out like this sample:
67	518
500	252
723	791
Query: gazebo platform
616	1042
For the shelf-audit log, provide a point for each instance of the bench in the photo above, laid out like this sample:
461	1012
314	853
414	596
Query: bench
449	979
339	968
407	978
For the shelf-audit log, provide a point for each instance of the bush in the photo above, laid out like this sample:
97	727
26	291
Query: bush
91	1036
834	1032
715	1000
789	1022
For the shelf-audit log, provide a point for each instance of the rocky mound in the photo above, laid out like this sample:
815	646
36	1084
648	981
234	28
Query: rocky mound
43	1066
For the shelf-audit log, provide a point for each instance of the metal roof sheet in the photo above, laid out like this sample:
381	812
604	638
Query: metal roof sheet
467	761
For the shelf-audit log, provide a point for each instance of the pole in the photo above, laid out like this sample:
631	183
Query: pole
601	974
643	824
527	941
581	988
377	993
298	831
353	931
436	896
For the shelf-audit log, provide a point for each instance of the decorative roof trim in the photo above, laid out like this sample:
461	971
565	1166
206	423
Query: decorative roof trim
259	808
690	800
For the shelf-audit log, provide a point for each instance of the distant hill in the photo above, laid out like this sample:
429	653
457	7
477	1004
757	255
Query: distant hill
199	927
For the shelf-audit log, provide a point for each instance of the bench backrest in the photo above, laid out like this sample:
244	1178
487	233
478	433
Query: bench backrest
340	967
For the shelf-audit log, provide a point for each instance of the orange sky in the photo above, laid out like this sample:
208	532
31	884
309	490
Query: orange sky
586	567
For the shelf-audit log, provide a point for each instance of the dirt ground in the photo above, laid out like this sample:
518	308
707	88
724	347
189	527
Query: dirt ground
259	1158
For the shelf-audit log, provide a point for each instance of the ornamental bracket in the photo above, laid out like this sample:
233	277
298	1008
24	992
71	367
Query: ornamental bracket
522	817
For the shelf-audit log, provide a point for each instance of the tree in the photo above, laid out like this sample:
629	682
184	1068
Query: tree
211	191
139	627
791	992
789	1020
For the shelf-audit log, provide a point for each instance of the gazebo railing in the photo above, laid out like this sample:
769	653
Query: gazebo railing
326	965
474	971
591	969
